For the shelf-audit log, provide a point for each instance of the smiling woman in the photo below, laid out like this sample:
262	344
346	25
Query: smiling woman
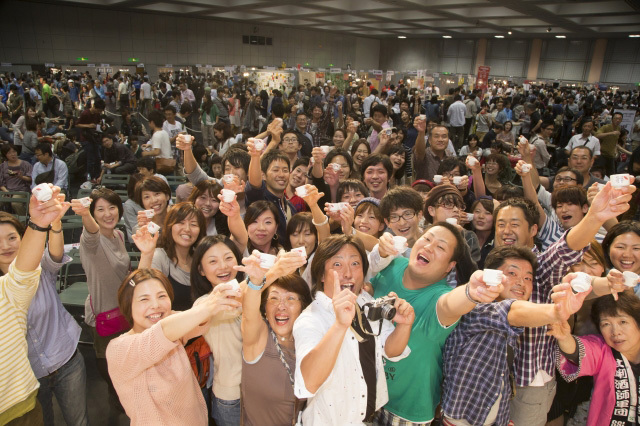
622	248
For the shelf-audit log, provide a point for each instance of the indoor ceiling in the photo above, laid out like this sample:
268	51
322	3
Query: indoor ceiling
413	18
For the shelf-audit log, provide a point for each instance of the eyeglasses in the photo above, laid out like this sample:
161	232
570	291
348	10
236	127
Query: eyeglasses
406	216
290	140
287	301
450	205
565	179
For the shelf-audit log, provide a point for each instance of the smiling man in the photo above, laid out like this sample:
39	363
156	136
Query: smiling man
427	159
516	224
401	209
414	383
376	173
477	384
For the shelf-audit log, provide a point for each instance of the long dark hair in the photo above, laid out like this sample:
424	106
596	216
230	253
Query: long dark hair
251	216
200	285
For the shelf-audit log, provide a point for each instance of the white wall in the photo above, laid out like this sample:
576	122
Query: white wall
46	33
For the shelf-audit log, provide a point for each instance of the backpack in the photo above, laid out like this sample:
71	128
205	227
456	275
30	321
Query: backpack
568	114
201	359
72	162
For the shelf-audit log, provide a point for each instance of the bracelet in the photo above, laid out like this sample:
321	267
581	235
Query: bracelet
466	292
326	220
37	228
56	232
252	286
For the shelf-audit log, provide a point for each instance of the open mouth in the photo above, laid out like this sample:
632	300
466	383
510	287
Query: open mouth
348	286
508	241
224	277
186	237
518	292
157	208
566	218
422	260
404	230
627	265
281	320
364	228
155	317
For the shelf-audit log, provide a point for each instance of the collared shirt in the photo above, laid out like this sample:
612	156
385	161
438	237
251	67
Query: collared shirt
187	95
256	194
366	104
535	352
427	166
342	398
61	173
456	114
52	333
590	142
475	364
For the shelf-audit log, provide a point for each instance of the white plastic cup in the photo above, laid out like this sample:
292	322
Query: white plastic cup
469	217
336	207
228	178
356	123
235	285
86	202
452	220
422	117
325	149
149	213
581	282
457	180
227	195
630	278
522	139
267	260
492	277
600	186
532	147
437	179
620	181
336	167
399	243
153	228
300	250
42	192
301	191
259	144
526	168
472	160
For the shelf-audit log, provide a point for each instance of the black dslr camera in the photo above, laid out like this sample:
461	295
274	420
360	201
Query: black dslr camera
381	308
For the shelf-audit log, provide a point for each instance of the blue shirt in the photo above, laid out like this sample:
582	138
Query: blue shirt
475	364
52	333
100	92
61	175
73	93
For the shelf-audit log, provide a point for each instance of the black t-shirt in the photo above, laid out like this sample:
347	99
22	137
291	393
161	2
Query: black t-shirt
367	353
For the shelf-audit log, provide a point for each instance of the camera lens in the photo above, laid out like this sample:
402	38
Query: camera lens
388	312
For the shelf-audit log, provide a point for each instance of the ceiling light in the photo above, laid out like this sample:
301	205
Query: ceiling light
634	35
499	36
446	36
561	36
509	32
402	36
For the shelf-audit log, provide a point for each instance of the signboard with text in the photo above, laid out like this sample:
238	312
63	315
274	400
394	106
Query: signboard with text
483	77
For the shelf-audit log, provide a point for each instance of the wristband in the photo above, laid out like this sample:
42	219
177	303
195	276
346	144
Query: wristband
326	220
54	231
35	227
466	292
252	286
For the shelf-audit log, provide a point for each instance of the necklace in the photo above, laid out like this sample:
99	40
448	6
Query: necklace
284	339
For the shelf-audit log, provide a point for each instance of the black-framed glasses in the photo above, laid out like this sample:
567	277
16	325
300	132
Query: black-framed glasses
450	205
566	179
408	215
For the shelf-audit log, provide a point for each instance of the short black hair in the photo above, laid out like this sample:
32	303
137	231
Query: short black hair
156	117
401	197
237	158
498	255
99	104
372	160
351	185
44	148
618	229
147	162
270	157
627	303
531	213
381	109
569	194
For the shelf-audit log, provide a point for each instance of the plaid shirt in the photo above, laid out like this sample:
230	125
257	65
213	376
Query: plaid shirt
535	351
475	364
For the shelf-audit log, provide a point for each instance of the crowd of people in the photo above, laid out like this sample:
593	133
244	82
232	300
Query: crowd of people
375	256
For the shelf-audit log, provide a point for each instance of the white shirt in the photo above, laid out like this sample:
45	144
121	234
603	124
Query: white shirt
590	142
160	140
342	398
366	104
456	113
172	129
145	91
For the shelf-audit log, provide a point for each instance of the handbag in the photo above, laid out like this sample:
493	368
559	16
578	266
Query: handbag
199	354
165	165
110	322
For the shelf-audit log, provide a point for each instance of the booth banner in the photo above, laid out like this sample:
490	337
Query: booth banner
377	72
335	70
346	76
319	75
483	77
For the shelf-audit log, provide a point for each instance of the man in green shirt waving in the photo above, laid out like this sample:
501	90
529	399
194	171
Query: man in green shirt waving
414	383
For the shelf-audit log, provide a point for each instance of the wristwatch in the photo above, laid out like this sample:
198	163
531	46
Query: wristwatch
35	227
252	286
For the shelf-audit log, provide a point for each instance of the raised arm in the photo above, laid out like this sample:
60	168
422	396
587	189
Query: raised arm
238	230
255	171
420	147
88	221
462	299
478	179
319	219
529	190
146	243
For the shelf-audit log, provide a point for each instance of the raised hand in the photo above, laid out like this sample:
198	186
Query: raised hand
143	220
616	282
184	142
480	291
566	301
559	330
610	203
344	303
331	176
313	195
236	185
386	247
251	267
143	239
231	209
419	124
44	214
346	219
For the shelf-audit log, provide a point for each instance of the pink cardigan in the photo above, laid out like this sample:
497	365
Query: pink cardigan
596	359
154	380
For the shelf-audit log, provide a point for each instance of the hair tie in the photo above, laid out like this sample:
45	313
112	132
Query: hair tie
132	283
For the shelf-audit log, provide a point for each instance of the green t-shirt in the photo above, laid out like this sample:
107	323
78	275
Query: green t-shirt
415	382
46	92
608	143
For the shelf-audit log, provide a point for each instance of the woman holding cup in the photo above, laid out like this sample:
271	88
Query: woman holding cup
205	197
106	263
622	252
154	195
261	222
272	302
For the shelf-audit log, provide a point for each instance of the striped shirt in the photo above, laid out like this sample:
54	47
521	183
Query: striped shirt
17	380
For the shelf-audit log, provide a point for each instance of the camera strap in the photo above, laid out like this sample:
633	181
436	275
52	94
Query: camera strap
359	329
